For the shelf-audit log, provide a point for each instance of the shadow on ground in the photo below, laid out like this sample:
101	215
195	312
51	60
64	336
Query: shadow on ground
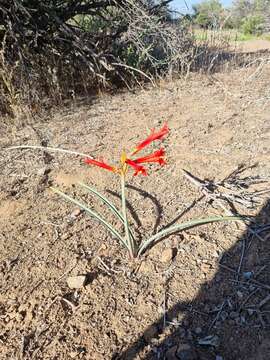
230	317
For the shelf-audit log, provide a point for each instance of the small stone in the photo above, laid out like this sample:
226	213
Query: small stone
76	282
233	314
73	354
205	268
75	213
217	324
250	311
65	236
147	267
216	254
237	321
239	294
218	357
247	275
210	340
185	352
242	319
43	171
223	315
167	255
150	333
198	330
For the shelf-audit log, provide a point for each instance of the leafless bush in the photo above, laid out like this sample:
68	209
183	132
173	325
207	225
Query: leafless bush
47	56
52	51
156	47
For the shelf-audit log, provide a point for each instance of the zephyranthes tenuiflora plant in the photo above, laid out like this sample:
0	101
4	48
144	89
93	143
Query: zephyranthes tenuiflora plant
127	162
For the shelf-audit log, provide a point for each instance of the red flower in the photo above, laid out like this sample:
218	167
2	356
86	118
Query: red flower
100	164
157	156
152	137
138	168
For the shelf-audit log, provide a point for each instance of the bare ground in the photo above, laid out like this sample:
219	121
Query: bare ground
159	308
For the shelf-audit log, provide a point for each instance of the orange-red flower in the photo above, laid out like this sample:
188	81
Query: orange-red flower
125	161
157	156
101	164
138	168
152	137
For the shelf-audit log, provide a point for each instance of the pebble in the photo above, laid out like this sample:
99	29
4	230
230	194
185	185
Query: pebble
248	275
233	314
205	268
250	311
75	213
198	330
218	324
218	357
42	171
224	315
167	255
243	319
210	340
76	282
239	294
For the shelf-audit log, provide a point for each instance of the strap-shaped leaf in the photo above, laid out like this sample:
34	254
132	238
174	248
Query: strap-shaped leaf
104	199
132	246
92	213
186	225
110	205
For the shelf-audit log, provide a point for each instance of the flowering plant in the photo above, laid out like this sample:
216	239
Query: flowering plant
129	161
126	162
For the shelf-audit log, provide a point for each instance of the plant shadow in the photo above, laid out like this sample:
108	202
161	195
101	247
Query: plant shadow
230	316
132	210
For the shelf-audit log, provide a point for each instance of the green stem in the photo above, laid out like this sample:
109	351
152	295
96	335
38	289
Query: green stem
129	240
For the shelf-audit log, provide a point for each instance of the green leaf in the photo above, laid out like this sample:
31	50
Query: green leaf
110	205
91	213
187	225
104	199
129	240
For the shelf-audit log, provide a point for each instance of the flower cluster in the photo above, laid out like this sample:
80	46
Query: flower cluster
125	161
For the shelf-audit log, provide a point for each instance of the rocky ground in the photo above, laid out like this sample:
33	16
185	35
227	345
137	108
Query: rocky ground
70	291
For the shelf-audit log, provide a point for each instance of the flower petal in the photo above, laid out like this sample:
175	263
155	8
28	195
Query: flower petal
139	169
152	137
157	156
100	164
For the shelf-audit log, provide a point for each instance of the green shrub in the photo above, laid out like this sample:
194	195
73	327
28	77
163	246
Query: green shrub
252	25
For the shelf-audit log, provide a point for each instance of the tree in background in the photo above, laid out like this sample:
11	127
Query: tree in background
252	25
51	50
208	13
251	16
